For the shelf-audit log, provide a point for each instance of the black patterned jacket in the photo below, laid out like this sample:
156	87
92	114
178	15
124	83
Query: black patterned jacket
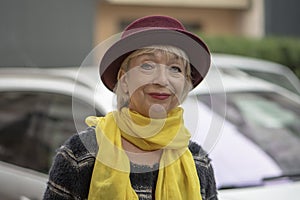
71	171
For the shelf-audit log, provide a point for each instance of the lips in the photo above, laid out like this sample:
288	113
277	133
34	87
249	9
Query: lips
159	96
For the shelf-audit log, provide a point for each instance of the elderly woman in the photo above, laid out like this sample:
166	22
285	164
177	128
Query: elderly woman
142	150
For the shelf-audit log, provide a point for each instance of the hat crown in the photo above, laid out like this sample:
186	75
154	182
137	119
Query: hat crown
153	22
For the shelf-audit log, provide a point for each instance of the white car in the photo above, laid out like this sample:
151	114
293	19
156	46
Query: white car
270	71
38	108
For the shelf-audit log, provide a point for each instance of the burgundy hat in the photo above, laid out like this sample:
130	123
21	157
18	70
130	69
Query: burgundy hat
155	30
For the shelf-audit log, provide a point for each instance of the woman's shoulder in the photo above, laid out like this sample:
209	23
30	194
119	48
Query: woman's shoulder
205	171
81	145
199	154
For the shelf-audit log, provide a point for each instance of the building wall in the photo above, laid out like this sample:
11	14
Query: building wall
252	20
282	17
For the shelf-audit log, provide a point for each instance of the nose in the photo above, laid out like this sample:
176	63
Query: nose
161	77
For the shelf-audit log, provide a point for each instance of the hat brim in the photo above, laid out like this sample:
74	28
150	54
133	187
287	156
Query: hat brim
192	45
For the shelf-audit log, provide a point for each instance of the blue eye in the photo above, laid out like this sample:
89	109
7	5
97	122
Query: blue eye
175	69
147	66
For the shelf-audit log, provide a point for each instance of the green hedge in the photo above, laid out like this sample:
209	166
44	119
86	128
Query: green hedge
278	49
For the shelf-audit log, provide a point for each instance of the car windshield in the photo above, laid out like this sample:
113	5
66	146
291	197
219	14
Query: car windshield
270	123
266	110
274	78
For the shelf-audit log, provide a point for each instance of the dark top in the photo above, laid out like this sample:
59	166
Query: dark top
71	171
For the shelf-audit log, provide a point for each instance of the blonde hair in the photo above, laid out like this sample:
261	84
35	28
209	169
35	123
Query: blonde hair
123	97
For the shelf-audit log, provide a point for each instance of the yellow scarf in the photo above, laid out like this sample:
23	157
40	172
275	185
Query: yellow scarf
177	177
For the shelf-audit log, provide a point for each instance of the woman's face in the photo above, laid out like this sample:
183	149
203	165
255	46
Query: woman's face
155	83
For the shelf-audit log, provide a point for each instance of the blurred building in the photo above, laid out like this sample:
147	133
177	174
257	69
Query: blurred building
61	33
214	17
46	33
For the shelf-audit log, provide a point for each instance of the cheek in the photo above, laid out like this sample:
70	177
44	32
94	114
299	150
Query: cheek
179	86
136	82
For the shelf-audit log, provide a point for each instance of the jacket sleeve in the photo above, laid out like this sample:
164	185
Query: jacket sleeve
69	176
62	177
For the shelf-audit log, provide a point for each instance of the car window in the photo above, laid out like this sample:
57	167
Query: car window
264	112
34	124
269	120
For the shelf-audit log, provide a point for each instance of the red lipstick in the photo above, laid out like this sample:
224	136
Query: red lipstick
159	96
